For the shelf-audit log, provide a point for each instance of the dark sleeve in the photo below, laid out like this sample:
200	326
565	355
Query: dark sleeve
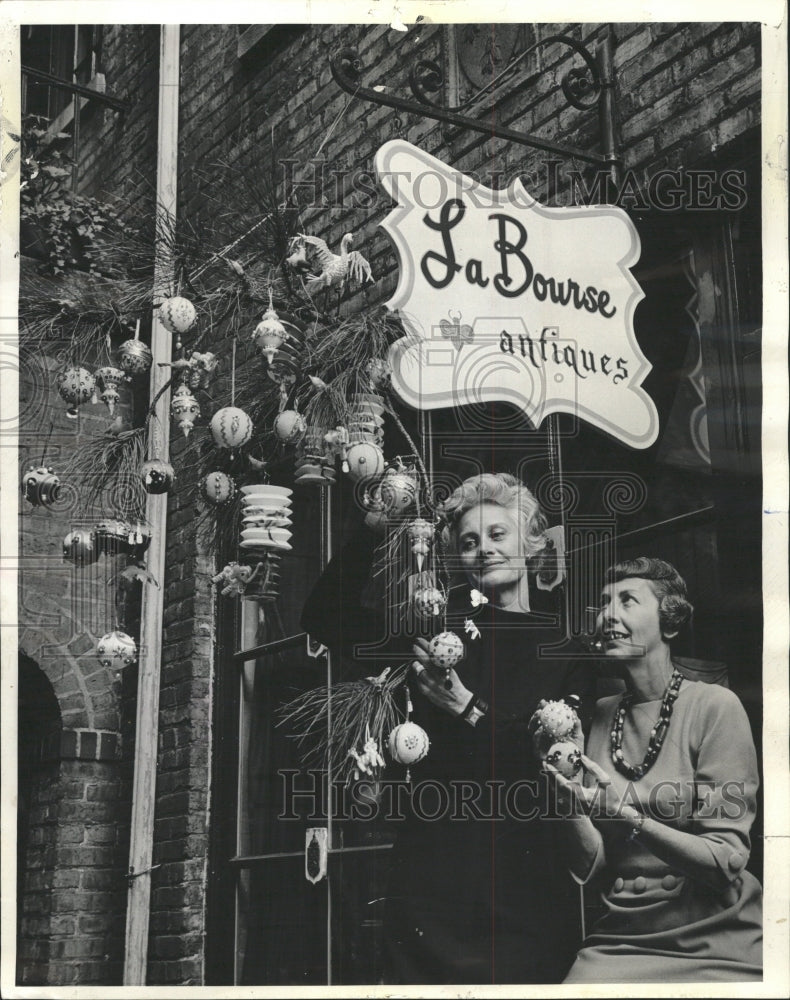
580	679
335	612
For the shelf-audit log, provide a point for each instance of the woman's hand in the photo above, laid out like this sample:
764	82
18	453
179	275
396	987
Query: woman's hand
432	682
598	801
541	743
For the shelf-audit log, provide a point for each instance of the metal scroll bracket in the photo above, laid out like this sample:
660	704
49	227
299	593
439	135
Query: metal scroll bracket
584	88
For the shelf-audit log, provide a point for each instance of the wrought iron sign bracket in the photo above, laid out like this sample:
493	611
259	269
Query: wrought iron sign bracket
584	88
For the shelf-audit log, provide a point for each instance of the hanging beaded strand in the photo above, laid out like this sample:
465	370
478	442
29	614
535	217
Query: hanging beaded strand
657	733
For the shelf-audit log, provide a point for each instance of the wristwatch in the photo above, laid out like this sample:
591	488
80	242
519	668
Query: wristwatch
475	710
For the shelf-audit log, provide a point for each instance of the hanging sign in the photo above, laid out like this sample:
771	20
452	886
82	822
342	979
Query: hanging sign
505	299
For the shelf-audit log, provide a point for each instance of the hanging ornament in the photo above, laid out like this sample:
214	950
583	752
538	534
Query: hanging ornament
420	534
76	386
134	356
365	460
556	720
231	427
378	372
369	760
40	486
429	602
289	426
177	314
113	536
116	650
336	442
218	488
566	757
270	334
79	547
137	542
445	651
199	369
376	517
184	409
312	465
108	379
398	488
234	578
158	475
408	743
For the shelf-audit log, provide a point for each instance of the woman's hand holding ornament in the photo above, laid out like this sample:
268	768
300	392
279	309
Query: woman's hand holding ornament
432	682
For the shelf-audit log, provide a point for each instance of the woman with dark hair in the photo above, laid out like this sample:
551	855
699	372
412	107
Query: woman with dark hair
663	816
478	891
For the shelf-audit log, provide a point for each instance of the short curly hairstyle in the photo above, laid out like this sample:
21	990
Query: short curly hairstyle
506	491
674	608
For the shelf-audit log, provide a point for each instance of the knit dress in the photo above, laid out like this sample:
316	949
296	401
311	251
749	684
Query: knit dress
660	925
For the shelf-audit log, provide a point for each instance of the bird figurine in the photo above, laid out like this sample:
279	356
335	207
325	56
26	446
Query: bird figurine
297	259
337	269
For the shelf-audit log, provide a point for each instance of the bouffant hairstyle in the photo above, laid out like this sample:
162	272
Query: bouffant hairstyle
674	608
506	491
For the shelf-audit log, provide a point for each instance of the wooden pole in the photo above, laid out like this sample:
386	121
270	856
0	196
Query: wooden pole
147	730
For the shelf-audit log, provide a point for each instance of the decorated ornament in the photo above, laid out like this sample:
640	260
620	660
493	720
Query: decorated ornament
408	743
378	372
79	547
369	760
336	442
429	602
114	536
398	489
270	334
471	629
289	426
477	598
116	650
199	369
231	427
76	386
134	356
234	578
184	409
445	651
177	314
365	460
218	488
40	486
556	719
376	517
420	534
566	757
108	379
158	475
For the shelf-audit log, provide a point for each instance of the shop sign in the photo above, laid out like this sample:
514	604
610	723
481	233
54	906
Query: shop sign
505	299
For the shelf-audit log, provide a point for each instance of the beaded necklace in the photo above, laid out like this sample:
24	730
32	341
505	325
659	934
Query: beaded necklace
657	733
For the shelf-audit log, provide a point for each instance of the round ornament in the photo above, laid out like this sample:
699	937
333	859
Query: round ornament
364	460
408	743
79	547
184	409
116	650
379	372
76	386
135	357
113	536
108	380
566	757
289	426
177	314
158	475
398	491
429	602
269	335
40	486
231	427
218	488
446	650
556	719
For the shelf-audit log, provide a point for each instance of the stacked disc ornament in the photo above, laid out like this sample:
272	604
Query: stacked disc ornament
312	464
184	409
76	386
108	379
40	486
116	650
265	535
158	475
218	488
